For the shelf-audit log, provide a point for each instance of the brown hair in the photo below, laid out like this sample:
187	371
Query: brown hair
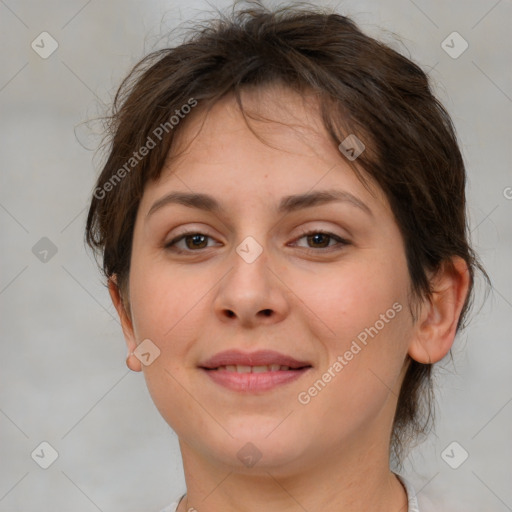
364	87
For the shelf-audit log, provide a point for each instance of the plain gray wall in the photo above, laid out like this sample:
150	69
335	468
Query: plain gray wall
63	377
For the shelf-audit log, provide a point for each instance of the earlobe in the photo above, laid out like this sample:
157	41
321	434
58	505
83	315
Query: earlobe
437	326
126	324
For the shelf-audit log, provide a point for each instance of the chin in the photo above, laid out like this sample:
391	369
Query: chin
254	449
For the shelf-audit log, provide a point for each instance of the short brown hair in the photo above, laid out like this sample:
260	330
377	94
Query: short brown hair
364	88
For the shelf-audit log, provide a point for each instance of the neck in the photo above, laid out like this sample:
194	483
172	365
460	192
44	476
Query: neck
350	480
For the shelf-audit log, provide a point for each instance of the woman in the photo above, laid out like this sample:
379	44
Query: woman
282	224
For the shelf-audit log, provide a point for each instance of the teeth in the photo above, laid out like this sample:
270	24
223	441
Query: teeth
253	369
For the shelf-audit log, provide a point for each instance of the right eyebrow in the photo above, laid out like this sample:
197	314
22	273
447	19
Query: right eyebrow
192	200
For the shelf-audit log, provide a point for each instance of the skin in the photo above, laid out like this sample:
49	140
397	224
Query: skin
332	453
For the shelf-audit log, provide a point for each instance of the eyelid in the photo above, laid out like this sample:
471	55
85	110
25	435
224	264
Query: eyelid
181	231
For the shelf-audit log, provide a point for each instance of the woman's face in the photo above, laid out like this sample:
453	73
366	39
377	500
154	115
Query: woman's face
257	274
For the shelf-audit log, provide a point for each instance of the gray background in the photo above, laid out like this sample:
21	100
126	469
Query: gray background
63	377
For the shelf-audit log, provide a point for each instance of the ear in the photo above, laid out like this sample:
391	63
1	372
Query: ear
437	324
126	323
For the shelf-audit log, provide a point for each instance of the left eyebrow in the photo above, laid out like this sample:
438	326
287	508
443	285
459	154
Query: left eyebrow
287	204
297	202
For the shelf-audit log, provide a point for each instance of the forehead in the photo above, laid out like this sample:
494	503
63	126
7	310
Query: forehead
287	152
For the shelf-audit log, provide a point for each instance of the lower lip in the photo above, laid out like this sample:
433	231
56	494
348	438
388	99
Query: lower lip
251	382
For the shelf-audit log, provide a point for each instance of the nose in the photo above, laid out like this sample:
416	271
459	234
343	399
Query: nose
251	293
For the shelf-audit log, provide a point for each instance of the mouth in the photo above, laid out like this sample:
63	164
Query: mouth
267	359
253	372
238	368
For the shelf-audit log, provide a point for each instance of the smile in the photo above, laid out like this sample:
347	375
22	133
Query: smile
247	379
254	369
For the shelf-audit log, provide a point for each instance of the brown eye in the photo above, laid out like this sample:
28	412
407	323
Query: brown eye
317	240
197	241
193	241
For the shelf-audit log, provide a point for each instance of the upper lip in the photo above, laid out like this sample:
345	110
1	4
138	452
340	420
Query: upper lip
258	358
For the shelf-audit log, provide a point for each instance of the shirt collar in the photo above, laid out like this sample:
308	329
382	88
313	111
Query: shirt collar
411	494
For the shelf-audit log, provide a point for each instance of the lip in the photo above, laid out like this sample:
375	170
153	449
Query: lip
258	358
253	382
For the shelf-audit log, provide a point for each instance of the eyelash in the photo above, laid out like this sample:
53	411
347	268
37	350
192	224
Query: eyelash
341	242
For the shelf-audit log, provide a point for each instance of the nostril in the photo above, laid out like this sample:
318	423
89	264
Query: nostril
267	312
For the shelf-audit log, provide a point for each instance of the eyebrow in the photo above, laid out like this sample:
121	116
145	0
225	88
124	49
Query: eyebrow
288	204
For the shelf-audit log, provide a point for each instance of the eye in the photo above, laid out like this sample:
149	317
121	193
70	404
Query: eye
192	239
321	240
195	241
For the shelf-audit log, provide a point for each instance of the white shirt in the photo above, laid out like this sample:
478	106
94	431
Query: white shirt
411	497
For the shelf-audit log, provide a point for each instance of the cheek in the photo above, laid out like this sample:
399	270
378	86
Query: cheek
167	310
364	319
364	360
170	307
341	302
158	301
